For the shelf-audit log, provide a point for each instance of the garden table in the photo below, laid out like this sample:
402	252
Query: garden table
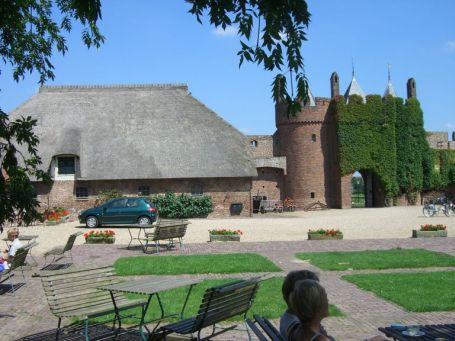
141	231
151	287
432	332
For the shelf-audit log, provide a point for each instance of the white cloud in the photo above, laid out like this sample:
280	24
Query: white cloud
228	32
451	45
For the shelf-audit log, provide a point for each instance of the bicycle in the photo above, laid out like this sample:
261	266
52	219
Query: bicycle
431	209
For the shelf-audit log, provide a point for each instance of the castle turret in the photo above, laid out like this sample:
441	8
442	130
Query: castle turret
308	141
411	86
334	85
389	91
354	89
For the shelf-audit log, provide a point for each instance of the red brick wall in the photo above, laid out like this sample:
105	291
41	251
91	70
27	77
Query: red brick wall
269	183
264	146
312	166
223	191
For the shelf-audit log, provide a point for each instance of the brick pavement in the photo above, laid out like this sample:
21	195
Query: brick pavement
28	313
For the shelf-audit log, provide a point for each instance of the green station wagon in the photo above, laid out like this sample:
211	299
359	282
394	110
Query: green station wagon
120	211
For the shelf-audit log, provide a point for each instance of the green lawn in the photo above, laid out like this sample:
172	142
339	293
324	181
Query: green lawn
419	292
268	302
381	259
194	264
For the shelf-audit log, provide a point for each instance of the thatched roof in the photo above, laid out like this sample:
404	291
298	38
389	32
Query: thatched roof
136	132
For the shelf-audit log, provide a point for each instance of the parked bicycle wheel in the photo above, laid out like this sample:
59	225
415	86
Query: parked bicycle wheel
447	210
428	211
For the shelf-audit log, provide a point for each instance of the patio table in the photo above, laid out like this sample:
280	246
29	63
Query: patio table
432	332
141	231
151	287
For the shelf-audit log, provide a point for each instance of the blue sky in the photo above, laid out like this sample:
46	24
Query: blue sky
159	42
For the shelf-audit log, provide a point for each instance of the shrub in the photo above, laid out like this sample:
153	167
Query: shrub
107	195
182	206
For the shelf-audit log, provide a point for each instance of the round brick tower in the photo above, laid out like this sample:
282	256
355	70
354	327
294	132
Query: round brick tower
308	141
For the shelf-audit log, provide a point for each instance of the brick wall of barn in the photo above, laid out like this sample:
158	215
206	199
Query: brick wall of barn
223	191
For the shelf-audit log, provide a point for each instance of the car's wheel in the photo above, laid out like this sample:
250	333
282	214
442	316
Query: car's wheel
428	212
144	221
91	222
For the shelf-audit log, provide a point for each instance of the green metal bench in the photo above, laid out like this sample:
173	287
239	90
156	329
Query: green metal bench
73	293
269	332
218	304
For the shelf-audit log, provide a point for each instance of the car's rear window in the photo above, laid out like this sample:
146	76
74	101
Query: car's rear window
149	203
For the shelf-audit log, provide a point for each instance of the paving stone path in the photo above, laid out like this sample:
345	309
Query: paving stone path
28	313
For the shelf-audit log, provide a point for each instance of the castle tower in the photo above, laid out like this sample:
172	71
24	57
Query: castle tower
354	88
334	85
308	141
411	87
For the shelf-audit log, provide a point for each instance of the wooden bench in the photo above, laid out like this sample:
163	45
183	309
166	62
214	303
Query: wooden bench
73	293
218	304
166	230
269	332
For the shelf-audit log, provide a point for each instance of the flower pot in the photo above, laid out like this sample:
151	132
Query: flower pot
224	237
428	234
109	240
320	236
94	240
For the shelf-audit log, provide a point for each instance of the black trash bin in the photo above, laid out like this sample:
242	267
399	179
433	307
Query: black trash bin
236	208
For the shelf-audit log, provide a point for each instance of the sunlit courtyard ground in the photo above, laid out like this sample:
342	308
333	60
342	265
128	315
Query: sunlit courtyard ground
277	237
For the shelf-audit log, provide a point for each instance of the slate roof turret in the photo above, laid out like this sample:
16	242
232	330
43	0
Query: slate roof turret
389	91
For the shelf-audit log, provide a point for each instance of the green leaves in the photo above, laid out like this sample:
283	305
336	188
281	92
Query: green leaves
17	195
29	32
182	206
280	31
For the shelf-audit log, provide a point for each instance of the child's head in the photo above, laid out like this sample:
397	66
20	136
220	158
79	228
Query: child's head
13	233
292	278
309	301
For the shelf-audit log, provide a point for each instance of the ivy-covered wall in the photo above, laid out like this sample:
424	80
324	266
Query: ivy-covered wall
366	136
386	136
443	170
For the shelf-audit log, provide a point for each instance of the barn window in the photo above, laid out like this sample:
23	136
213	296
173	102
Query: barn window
81	192
197	189
143	190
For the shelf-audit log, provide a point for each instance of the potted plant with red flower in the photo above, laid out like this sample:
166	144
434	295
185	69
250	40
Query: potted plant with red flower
430	230
325	234
225	235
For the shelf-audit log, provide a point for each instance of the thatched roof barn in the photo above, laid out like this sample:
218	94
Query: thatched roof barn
136	132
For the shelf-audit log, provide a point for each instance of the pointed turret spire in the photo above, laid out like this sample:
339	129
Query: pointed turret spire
354	88
311	101
389	91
